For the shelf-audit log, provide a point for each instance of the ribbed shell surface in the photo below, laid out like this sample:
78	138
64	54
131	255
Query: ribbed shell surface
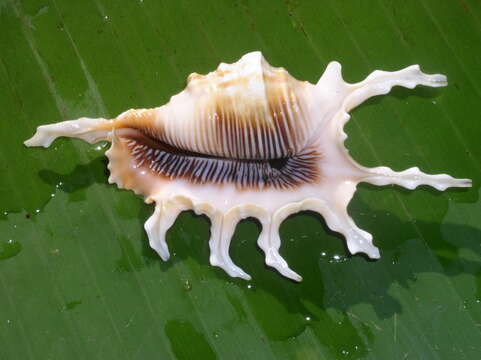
245	110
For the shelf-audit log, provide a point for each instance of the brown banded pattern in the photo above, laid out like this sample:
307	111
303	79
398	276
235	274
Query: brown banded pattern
259	114
270	126
166	161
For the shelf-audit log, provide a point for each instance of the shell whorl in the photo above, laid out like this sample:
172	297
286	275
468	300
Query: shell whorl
247	124
245	110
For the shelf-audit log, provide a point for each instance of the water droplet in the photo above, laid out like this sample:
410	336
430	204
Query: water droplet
9	321
216	335
337	259
308	318
434	102
9	249
106	18
52	195
37	211
187	285
345	352
101	146
323	253
249	286
71	305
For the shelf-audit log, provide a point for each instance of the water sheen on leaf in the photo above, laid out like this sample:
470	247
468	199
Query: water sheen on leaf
77	277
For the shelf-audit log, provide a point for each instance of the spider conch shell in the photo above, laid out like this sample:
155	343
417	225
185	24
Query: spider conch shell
249	140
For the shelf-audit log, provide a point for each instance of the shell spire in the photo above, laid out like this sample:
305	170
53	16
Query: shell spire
249	140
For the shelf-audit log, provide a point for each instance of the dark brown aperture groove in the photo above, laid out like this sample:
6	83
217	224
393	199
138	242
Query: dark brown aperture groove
169	162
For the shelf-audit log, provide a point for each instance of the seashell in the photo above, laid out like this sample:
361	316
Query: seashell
249	140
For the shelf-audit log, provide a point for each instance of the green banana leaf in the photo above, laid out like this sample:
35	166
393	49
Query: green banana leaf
77	277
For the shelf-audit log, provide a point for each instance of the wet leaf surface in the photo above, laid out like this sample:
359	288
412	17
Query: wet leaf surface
77	278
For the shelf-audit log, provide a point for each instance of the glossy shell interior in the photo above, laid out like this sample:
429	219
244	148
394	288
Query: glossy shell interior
249	140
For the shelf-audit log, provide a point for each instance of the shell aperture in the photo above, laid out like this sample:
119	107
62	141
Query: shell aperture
249	140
